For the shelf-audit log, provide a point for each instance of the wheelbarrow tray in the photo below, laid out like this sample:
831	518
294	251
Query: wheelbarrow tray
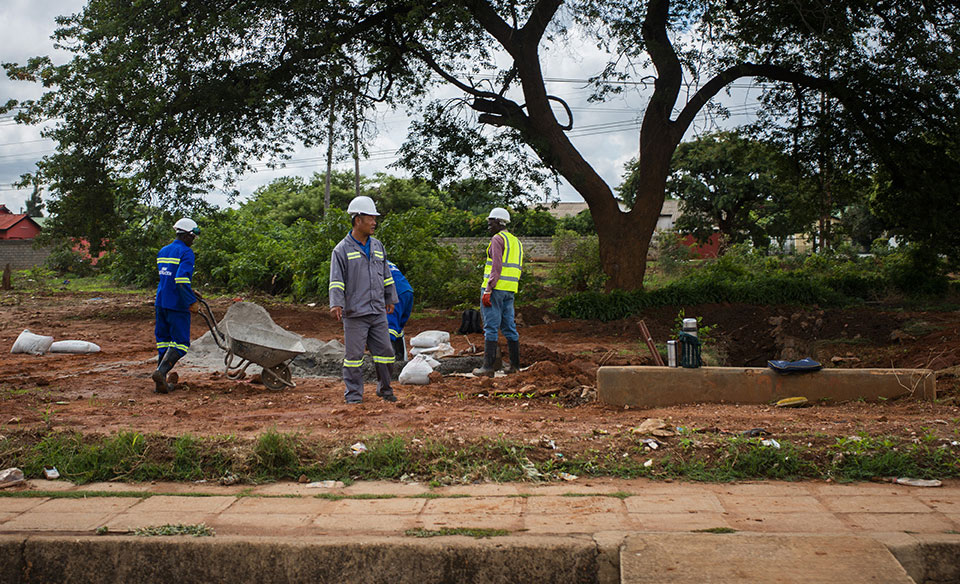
267	348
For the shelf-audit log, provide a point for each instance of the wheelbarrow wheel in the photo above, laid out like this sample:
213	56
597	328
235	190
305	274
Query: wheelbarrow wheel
272	382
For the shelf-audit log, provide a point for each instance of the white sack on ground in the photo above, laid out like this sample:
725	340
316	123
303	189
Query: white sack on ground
32	344
74	347
430	339
416	372
437	352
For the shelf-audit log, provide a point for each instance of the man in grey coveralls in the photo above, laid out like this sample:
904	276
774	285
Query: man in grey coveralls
361	295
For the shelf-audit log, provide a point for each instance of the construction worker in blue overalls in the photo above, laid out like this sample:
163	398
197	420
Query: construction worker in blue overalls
362	294
397	319
176	299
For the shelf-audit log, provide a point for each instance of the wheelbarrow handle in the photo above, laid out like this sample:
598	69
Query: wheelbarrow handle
208	317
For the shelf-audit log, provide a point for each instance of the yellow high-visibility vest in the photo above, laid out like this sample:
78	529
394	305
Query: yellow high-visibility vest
512	263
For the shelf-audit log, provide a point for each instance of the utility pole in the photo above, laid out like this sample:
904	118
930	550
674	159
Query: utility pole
356	150
326	191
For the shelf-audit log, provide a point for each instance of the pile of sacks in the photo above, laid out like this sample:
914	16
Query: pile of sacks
33	344
425	349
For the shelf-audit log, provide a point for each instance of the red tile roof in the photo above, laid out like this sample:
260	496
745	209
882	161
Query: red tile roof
9	220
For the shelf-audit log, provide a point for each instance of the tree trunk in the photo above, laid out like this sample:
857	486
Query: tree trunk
623	250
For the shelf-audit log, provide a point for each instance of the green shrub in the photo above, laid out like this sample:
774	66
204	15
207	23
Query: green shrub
673	256
63	260
578	266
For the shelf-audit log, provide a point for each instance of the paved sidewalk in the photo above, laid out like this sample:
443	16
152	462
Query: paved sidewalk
581	507
599	531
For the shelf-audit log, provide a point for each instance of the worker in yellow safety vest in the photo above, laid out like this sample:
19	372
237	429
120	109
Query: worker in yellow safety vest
501	278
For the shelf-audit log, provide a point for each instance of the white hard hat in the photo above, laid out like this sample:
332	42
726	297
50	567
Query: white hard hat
186	225
362	205
500	214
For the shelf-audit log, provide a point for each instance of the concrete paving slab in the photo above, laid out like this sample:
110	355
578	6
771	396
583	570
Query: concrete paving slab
376	506
179	504
361	523
736	558
944	502
45	485
667	504
87	505
511	523
864	489
136	520
19	504
476	506
675	522
779	504
908	522
57	522
481	490
955	518
260	505
762	522
252	522
877	504
290	488
573	505
768	489
583	523
386	488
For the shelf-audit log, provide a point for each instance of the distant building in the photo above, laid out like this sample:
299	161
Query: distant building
17	225
667	219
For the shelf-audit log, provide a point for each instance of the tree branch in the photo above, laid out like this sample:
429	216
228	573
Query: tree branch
727	76
541	15
669	73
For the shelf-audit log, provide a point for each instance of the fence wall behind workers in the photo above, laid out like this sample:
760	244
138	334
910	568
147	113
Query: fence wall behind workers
21	254
534	248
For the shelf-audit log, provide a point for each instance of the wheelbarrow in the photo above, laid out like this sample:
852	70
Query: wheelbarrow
245	344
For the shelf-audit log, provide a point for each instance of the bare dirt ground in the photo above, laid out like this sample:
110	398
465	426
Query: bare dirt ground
112	390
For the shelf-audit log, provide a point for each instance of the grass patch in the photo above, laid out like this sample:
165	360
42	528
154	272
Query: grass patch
476	532
338	497
439	496
616	495
716	530
199	530
131	456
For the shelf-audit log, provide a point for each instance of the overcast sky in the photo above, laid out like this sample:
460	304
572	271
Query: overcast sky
606	134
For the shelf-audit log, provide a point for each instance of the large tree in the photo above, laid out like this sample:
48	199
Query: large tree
725	182
163	93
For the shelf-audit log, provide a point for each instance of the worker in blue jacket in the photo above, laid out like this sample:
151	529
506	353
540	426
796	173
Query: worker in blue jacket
176	299
397	319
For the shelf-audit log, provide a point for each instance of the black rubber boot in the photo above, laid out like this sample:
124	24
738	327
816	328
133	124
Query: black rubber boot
490	351
159	376
513	347
398	348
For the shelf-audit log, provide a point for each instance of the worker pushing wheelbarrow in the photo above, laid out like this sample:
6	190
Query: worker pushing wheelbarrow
273	350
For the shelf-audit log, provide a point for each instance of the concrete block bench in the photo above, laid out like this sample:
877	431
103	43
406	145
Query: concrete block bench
650	387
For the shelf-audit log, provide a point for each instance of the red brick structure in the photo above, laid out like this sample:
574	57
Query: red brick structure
17	226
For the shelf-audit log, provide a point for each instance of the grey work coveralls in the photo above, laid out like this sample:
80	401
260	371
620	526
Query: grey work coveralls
363	286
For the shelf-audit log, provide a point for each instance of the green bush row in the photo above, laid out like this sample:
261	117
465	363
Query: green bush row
747	276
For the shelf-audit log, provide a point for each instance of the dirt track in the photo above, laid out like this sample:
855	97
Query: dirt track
112	390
